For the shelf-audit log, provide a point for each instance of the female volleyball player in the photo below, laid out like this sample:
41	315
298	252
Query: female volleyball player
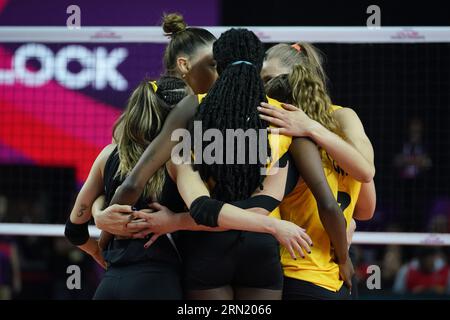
317	276
133	273
354	154
188	55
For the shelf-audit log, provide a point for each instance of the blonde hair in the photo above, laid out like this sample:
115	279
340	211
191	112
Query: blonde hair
309	94
302	53
135	129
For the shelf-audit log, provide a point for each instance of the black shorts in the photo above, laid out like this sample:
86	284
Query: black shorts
295	289
138	273
141	281
236	258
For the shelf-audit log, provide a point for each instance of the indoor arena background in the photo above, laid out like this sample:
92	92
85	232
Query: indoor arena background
53	126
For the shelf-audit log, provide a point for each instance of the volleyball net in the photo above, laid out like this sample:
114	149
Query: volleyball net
361	237
61	91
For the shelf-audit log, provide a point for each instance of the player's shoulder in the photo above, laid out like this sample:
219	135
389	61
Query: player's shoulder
344	113
342	109
104	155
186	107
106	152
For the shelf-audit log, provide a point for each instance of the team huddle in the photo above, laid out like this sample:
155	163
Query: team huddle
180	225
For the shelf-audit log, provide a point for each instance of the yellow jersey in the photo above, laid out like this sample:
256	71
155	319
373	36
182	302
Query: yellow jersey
300	207
279	144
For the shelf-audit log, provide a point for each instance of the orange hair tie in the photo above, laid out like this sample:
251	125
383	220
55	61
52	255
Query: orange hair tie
297	47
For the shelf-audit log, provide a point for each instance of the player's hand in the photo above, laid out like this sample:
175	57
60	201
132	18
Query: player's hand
346	273
114	220
159	222
290	120
293	238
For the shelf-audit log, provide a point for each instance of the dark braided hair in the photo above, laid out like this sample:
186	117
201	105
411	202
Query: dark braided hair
171	90
231	104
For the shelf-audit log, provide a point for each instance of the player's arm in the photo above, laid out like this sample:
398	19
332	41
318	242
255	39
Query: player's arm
76	229
355	134
367	200
355	155
213	213
309	164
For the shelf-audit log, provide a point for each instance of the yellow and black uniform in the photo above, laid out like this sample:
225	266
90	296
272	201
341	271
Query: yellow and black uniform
238	258
300	207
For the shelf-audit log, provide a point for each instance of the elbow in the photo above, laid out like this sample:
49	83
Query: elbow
367	176
364	215
329	209
371	174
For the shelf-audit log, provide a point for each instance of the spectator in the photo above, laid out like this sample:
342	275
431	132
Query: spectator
413	160
411	193
427	274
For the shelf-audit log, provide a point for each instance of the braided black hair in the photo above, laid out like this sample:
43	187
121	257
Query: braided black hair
231	104
171	89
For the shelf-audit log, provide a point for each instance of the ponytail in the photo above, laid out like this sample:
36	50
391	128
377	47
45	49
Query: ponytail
142	121
302	53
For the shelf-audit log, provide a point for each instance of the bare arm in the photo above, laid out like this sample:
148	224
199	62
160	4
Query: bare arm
351	231
309	164
192	187
355	134
98	205
355	155
92	188
345	153
186	179
367	200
